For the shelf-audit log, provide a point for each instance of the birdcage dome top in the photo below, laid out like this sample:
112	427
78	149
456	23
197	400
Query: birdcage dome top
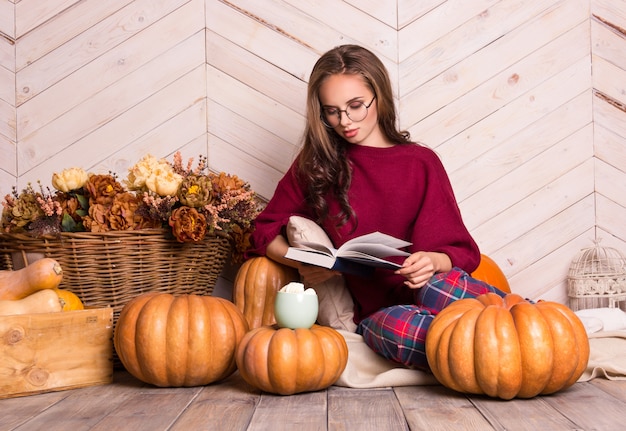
598	262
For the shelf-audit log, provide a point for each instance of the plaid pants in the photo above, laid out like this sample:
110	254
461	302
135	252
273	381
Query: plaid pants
398	332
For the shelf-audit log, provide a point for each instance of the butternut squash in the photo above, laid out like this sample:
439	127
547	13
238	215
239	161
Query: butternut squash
42	274
42	301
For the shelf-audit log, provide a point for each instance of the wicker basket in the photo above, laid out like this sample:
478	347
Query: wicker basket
109	269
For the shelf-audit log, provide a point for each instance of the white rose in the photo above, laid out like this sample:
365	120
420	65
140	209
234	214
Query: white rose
140	172
164	182
69	179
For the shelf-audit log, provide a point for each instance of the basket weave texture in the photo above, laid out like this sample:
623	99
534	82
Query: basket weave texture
111	268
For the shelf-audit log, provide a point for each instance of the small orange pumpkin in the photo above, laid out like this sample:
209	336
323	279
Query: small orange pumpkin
69	300
489	272
507	347
289	361
255	287
172	341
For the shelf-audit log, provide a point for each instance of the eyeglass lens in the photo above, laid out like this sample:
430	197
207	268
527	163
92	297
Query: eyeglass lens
356	111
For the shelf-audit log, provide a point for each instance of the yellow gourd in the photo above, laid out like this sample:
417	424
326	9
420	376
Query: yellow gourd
42	274
42	301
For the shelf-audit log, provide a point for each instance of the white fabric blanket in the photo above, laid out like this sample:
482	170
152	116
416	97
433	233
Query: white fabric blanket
607	357
366	369
606	329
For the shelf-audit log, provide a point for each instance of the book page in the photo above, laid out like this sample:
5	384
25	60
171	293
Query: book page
369	260
316	247
376	238
311	256
376	244
376	250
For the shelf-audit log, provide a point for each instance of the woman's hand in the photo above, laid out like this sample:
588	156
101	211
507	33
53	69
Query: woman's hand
419	267
312	275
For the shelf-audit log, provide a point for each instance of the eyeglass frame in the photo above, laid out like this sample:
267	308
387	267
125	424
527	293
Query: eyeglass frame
340	111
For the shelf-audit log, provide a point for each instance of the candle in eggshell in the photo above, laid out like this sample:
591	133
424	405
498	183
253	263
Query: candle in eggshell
296	307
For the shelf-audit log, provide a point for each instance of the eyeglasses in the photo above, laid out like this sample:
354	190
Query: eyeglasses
356	111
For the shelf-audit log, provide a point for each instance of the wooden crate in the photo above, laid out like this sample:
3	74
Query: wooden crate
55	351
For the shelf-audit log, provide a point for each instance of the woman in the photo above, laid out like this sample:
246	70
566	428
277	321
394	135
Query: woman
357	173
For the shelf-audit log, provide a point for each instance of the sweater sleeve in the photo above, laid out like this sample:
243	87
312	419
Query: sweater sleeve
289	199
440	226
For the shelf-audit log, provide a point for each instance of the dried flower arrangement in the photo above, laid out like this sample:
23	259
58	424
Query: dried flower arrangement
156	193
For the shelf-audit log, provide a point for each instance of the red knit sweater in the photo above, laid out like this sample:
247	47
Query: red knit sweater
403	191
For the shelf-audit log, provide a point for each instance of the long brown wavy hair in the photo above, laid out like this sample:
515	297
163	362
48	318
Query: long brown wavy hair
322	162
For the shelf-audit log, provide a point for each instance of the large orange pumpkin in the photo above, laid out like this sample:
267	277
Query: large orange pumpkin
489	272
255	287
507	347
288	361
173	341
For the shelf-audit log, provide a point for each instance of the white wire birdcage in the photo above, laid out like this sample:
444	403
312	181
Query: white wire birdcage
597	278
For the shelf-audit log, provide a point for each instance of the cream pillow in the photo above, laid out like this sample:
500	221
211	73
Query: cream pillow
336	306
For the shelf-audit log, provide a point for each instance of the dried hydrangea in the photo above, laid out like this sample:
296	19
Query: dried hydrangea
196	191
102	189
30	211
188	224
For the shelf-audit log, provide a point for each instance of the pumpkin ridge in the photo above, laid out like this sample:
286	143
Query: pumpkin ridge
128	316
236	328
311	360
197	364
536	342
443	363
149	353
283	369
510	375
565	360
494	358
578	339
176	339
462	350
334	348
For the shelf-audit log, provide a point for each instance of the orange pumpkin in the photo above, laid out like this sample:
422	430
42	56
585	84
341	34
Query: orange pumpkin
489	272
173	341
288	361
507	347
69	300
255	287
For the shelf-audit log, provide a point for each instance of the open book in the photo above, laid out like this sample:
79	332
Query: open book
358	256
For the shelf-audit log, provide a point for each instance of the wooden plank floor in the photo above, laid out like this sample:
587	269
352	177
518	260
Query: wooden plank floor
127	404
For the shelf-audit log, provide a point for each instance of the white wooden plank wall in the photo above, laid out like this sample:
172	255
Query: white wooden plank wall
525	101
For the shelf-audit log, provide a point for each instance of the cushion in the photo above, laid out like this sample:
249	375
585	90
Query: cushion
302	229
336	308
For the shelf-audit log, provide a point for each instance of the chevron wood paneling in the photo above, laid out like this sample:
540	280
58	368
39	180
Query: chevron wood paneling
523	100
608	43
